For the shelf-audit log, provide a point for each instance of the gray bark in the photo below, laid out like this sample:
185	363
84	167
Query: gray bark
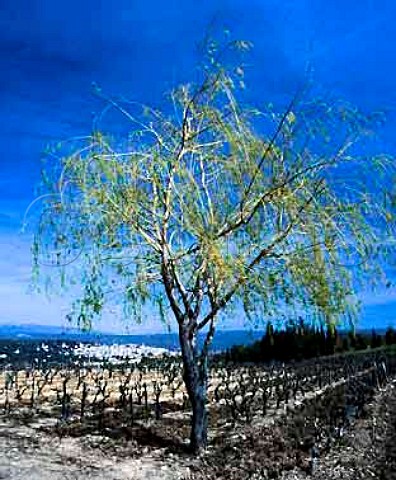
195	375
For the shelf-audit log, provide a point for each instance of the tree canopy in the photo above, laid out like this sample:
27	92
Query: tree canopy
219	205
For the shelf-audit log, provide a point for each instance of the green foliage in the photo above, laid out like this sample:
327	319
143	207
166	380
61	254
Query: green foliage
299	340
203	209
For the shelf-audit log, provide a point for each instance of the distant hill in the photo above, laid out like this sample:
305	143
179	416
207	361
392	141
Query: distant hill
40	331
223	339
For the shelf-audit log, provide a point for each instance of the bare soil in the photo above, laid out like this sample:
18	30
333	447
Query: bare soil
28	452
39	450
369	448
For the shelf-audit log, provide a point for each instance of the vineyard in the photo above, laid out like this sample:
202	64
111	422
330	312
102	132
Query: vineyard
319	398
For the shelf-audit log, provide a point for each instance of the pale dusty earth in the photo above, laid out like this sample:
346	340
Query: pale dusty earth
26	453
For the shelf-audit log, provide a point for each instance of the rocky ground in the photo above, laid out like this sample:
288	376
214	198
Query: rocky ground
28	453
366	451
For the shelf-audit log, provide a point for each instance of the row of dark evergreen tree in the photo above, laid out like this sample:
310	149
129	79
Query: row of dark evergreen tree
298	341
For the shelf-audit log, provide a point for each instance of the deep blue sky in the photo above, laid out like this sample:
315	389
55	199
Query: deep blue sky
51	51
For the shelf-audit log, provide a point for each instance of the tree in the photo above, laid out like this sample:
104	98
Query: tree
390	336
219	206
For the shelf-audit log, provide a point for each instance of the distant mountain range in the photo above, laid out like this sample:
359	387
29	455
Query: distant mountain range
223	338
39	331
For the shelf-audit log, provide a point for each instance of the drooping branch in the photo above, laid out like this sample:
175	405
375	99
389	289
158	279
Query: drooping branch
263	253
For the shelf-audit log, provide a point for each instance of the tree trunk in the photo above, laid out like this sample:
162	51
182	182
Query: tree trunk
195	375
199	424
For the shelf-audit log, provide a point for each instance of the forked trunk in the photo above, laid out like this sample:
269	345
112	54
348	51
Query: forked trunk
195	375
